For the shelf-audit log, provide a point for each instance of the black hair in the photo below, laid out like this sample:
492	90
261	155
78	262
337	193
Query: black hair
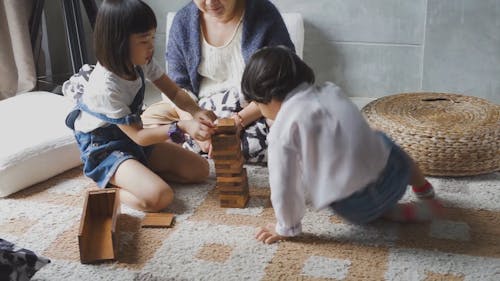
116	21
272	72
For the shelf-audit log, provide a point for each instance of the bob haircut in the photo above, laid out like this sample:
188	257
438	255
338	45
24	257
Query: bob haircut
272	72
116	21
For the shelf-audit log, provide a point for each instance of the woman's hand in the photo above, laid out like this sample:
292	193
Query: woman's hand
238	121
205	115
198	130
268	235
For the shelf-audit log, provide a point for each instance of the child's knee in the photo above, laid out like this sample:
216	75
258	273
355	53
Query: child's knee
165	197
197	174
203	172
159	200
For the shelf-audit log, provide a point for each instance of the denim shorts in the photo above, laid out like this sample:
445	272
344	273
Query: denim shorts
378	197
104	149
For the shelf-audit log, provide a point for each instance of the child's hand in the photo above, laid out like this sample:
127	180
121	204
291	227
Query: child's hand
199	130
205	115
268	235
237	121
210	150
205	146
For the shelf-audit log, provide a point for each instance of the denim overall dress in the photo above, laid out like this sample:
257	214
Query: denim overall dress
104	149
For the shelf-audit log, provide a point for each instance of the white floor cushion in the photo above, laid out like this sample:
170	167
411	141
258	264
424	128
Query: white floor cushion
36	144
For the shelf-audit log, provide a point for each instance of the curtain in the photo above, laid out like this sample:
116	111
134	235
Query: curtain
17	68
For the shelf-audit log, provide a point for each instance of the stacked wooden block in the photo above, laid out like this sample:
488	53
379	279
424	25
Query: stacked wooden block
232	181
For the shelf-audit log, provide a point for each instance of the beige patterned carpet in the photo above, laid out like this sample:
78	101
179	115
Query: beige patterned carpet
210	243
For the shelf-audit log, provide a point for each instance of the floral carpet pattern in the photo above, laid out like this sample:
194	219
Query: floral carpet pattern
211	243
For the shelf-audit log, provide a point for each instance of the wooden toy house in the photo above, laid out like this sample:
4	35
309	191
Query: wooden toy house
97	238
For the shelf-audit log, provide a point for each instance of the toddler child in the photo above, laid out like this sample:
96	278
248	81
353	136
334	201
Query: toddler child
320	145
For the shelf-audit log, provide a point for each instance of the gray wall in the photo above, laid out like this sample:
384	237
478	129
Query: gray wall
374	48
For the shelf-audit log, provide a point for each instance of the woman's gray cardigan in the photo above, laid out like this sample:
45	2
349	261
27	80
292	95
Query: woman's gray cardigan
262	26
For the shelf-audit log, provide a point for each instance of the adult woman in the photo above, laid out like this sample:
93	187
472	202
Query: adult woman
210	42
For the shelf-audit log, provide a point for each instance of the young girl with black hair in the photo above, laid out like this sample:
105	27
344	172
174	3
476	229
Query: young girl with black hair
115	148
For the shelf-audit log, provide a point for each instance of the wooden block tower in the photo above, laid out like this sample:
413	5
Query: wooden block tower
232	181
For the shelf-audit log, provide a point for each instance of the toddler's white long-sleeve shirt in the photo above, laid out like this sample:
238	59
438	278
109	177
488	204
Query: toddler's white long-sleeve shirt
319	145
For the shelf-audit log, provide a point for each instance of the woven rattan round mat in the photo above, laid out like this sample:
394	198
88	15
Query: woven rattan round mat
446	134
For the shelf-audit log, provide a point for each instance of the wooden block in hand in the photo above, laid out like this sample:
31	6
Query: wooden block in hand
158	220
225	126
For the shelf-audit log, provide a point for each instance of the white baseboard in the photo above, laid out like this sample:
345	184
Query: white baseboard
361	101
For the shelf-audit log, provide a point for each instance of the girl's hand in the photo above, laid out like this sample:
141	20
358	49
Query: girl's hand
210	150
205	146
205	115
268	234
198	130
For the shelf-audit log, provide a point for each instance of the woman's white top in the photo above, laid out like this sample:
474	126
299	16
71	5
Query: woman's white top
111	95
319	145
221	67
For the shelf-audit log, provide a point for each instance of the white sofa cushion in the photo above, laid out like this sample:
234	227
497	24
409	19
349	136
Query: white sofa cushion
36	144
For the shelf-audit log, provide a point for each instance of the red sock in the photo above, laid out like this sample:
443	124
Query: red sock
415	212
425	191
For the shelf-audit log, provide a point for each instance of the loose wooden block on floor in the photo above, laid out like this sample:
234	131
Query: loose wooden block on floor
158	220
